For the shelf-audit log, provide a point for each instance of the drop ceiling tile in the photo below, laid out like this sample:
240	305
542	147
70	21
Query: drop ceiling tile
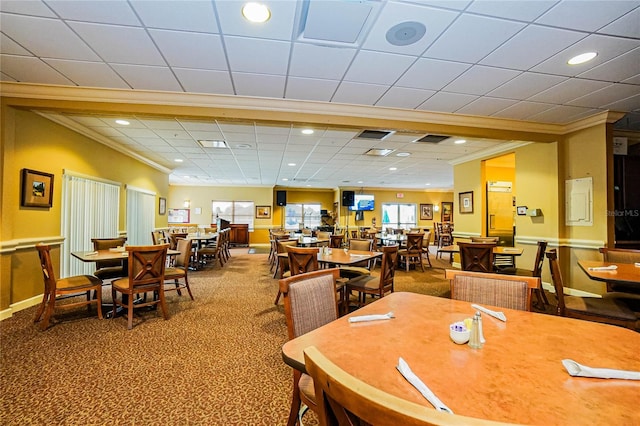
23	68
585	15
47	37
89	74
126	45
605	95
195	16
160	123
205	126
625	26
632	80
322	62
431	74
393	13
279	26
628	104
531	46
269	86
191	50
356	93
458	44
522	11
606	47
525	85
559	114
446	102
402	97
479	80
486	106
522	110
148	78
255	55
617	69
36	8
568	90
105	12
378	67
10	47
311	89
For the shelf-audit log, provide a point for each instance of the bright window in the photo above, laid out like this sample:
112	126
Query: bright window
234	211
399	216
307	215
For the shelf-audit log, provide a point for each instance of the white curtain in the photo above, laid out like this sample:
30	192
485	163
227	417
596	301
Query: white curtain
141	216
90	209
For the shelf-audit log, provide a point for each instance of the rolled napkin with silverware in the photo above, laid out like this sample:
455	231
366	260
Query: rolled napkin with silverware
91	253
604	268
374	317
578	370
406	372
496	314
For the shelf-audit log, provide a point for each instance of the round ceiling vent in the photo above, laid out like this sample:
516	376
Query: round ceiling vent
406	33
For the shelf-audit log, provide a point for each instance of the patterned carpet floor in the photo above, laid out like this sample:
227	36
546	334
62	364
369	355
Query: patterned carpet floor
216	361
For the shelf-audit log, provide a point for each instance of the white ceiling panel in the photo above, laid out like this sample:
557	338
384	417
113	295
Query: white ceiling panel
34	8
431	74
259	56
568	90
104	12
446	102
320	61
378	68
585	15
523	110
279	26
148	78
402	97
480	80
526	85
190	50
204	81
96	74
527	11
617	69
606	95
23	68
269	86
10	47
358	93
626	26
177	15
486	105
311	89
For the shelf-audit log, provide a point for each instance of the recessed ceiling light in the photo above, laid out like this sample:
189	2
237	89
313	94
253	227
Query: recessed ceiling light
256	12
359	181
178	160
307	131
212	143
291	164
403	154
285	179
460	141
379	152
393	168
122	122
581	59
427	184
243	146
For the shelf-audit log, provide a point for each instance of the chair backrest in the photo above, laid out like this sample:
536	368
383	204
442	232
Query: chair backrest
147	265
360	244
183	259
505	291
336	241
388	268
282	245
174	237
323	235
620	255
107	243
158	237
426	239
556	277
309	300
47	268
485	239
343	399
414	243
537	265
303	259
476	256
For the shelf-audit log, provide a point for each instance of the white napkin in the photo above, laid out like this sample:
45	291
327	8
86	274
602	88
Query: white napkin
496	314
404	369
603	268
575	369
374	317
637	263
91	253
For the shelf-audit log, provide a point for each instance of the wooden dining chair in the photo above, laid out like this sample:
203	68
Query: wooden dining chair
606	310
336	241
476	256
177	276
541	296
359	268
108	270
310	301
146	274
376	285
504	291
55	289
425	246
412	253
302	259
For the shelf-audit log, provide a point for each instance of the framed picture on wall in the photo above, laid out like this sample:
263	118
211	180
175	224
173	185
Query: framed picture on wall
263	212
426	211
466	202
179	215
162	206
447	212
37	189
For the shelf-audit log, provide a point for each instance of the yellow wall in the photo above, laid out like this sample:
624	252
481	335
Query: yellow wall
33	142
467	177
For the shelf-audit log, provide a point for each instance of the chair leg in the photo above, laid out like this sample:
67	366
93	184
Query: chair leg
48	312
130	312
186	284
277	298
163	305
41	308
295	401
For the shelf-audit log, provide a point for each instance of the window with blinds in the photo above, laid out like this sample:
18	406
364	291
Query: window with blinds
234	211
141	216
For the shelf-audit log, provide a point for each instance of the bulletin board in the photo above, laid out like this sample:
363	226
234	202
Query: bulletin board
178	216
579	202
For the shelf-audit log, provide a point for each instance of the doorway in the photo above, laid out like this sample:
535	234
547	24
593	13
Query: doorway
500	193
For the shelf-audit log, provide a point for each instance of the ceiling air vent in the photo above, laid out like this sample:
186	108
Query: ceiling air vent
374	134
432	138
379	152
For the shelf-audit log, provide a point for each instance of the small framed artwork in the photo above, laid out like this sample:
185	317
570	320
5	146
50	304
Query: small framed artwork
162	206
263	212
426	211
179	216
447	212
466	202
37	189
522	210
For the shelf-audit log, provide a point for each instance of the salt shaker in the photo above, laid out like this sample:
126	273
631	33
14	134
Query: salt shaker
474	340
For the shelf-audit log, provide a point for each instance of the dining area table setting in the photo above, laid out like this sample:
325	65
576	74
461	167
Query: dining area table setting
521	367
622	273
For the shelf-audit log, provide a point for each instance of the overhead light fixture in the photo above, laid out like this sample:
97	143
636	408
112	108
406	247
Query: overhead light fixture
291	164
403	154
285	179
256	12
122	122
243	146
379	152
206	143
582	58
178	160
427	184
186	204
460	141
393	168
436	207
307	131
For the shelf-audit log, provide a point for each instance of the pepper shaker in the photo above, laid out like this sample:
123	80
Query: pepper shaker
474	340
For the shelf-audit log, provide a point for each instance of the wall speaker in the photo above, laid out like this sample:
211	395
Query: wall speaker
281	198
348	198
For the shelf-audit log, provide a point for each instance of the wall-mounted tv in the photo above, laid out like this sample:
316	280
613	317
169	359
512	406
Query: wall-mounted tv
363	202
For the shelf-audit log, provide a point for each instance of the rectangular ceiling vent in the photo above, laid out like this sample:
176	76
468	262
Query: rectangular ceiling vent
432	138
206	143
379	152
374	134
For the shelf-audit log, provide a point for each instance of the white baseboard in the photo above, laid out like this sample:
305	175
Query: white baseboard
16	307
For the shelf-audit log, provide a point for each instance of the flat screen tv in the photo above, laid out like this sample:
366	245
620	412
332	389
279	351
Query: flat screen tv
363	202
